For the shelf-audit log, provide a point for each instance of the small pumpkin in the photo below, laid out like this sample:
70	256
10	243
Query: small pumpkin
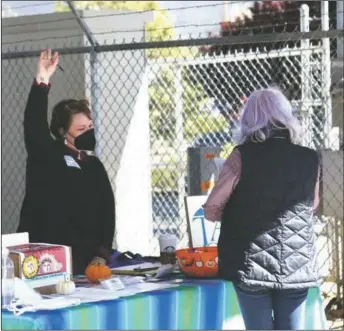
65	287
96	270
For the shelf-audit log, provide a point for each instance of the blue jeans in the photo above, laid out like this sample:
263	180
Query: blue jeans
273	309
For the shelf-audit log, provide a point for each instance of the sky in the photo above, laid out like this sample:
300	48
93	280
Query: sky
198	20
22	8
207	18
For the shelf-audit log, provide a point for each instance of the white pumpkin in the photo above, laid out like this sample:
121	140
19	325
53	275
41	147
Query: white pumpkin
65	287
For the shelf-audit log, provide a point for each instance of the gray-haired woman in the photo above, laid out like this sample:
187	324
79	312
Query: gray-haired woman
265	198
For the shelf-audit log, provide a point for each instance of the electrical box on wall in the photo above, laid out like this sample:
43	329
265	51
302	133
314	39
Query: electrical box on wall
202	169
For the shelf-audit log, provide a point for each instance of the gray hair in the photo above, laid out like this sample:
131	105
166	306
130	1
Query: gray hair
264	111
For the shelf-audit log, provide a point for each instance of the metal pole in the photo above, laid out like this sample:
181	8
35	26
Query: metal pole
340	26
233	40
95	78
179	140
342	257
306	107
326	75
95	97
337	254
84	27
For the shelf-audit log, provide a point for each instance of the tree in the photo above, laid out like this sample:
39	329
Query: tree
231	81
271	17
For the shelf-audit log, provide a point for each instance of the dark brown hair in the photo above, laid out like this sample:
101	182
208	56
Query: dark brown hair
63	112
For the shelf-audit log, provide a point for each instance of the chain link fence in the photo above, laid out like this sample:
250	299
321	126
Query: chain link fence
152	101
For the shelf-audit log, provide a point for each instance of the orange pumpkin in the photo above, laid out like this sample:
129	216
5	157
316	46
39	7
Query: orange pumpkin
97	270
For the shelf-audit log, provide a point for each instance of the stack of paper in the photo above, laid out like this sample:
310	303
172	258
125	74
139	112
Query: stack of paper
86	295
93	294
143	287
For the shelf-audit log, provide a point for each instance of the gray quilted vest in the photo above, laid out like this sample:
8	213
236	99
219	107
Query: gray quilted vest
267	237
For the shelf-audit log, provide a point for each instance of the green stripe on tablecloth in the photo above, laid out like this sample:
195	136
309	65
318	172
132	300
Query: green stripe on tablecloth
233	303
188	307
84	317
232	317
22	323
139	312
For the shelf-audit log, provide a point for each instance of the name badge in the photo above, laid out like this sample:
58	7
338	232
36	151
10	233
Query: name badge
71	162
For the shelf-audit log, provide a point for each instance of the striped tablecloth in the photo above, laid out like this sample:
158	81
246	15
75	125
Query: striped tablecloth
201	304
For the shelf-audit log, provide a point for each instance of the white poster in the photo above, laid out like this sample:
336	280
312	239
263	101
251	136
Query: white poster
201	231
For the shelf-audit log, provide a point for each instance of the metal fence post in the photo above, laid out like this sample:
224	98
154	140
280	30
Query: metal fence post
306	107
179	139
95	79
95	97
326	75
340	26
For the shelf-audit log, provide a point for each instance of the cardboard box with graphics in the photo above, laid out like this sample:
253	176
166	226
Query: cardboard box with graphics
40	265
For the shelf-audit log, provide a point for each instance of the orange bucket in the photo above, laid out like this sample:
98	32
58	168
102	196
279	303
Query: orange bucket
199	262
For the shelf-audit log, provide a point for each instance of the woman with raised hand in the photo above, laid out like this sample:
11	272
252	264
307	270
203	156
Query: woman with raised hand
68	199
265	197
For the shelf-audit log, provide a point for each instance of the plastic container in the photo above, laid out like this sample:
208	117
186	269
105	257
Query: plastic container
168	244
7	278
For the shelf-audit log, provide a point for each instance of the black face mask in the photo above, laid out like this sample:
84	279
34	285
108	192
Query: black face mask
86	141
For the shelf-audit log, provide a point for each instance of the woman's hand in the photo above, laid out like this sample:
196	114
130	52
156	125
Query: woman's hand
47	65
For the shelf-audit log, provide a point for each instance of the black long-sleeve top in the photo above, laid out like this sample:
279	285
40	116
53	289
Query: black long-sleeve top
68	201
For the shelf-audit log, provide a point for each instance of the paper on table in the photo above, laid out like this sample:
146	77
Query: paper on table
98	294
129	280
165	270
143	287
92	294
86	295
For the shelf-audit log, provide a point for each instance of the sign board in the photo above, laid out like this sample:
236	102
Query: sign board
201	231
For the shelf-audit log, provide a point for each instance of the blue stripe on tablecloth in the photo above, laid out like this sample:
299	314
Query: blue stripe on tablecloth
166	318
213	296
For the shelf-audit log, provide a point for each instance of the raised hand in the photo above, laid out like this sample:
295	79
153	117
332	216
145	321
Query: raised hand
47	65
